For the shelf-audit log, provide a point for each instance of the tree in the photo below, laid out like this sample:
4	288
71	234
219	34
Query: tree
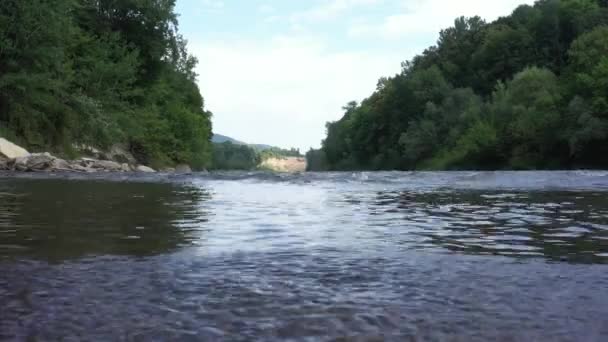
315	160
229	156
529	113
504	52
100	72
588	110
589	68
529	90
34	70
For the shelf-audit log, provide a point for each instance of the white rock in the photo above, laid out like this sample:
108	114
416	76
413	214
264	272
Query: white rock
60	165
89	150
86	162
80	168
11	151
34	162
142	168
106	165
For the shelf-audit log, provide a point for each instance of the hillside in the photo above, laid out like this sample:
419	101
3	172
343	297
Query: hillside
233	154
527	91
220	139
101	73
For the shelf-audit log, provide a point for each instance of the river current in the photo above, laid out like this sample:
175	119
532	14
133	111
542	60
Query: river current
444	256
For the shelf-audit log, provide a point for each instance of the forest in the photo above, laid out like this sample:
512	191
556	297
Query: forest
101	72
527	91
231	156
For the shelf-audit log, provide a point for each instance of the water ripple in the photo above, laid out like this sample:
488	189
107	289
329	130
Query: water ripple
358	256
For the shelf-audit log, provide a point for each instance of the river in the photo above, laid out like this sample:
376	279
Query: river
445	256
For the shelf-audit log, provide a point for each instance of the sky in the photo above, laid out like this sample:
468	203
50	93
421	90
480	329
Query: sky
275	71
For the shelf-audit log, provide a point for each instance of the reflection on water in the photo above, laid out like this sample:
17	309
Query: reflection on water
387	256
569	226
59	219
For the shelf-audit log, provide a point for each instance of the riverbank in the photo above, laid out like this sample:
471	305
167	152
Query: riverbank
16	158
284	164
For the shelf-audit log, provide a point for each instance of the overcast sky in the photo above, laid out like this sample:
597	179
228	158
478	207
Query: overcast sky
275	71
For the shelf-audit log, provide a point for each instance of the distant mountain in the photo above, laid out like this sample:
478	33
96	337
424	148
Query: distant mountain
261	147
220	139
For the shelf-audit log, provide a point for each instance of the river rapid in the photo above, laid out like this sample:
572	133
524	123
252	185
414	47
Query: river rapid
437	256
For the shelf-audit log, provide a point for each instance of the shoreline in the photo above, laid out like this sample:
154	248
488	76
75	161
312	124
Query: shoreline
118	159
47	163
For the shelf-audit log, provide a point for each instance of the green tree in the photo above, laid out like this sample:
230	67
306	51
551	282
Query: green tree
504	52
229	156
589	68
99	72
527	109
35	71
529	90
588	110
315	160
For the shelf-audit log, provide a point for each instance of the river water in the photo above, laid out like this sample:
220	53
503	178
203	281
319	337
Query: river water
454	256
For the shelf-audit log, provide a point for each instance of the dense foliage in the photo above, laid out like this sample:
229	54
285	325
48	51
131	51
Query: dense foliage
316	160
99	72
231	156
527	91
276	152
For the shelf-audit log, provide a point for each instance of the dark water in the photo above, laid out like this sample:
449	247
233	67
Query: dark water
364	256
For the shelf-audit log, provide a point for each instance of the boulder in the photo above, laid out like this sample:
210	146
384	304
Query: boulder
85	161
106	165
60	165
90	151
183	168
94	165
168	170
121	154
3	164
11	151
34	162
79	168
143	168
83	164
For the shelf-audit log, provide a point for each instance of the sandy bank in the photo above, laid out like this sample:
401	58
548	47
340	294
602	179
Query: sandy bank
285	164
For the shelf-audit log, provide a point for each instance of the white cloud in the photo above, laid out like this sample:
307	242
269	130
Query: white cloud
430	16
330	9
282	91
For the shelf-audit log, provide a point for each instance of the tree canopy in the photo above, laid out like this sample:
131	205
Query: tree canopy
526	91
99	72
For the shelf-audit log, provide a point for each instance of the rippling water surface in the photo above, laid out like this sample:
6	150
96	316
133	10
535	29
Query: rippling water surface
338	256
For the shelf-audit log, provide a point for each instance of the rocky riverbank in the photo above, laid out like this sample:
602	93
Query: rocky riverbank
16	158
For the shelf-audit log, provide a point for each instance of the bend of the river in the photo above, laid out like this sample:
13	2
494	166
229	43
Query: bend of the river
444	256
